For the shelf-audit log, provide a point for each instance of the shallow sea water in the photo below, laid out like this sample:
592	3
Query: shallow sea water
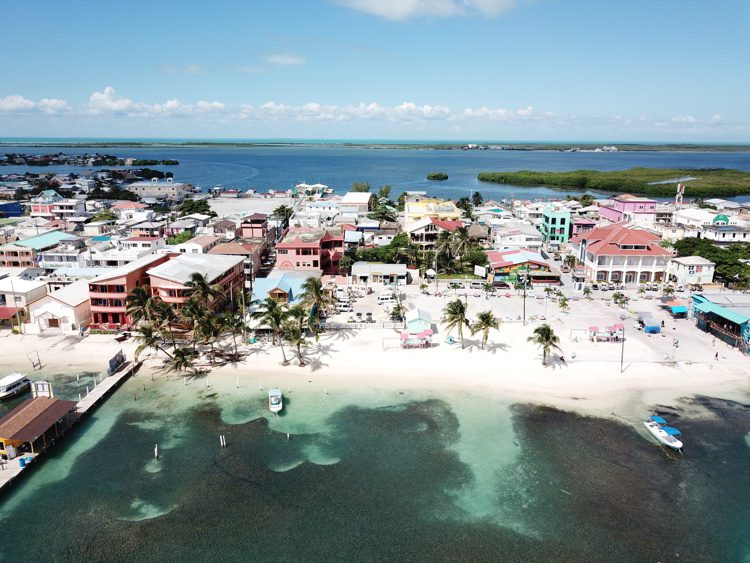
367	475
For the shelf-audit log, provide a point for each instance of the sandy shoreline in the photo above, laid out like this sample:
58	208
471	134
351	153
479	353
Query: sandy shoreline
351	360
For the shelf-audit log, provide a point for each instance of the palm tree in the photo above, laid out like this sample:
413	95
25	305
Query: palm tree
454	316
284	213
641	290
619	299
477	199
444	244
202	290
193	311
165	316
234	323
316	297
139	304
210	329
668	291
563	303
182	360
587	292
484	323
296	337
460	242
570	261
300	315
149	337
546	339
272	314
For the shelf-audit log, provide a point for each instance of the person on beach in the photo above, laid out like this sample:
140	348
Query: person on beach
716	356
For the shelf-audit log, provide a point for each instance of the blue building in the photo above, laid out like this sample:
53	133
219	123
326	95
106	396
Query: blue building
11	209
724	315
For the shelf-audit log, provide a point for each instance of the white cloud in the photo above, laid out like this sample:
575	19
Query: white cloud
684	119
53	105
399	10
285	59
108	102
16	103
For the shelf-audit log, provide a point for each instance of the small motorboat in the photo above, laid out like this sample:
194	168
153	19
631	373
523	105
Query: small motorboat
666	435
275	400
13	384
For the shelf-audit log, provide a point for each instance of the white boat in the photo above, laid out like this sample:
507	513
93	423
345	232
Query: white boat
666	435
13	384
275	400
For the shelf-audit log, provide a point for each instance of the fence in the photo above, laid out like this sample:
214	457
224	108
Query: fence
361	325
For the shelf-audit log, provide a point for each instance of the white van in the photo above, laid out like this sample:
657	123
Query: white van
386	298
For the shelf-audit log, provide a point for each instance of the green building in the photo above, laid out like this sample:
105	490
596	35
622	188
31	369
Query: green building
555	227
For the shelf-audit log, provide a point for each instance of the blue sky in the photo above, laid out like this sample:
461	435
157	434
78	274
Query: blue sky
672	70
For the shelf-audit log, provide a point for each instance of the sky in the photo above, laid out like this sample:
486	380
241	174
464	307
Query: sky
526	70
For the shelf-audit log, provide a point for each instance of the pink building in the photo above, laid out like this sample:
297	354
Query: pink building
628	208
581	225
108	293
169	280
304	248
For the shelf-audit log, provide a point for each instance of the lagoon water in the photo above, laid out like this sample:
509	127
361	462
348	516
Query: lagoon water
377	475
281	167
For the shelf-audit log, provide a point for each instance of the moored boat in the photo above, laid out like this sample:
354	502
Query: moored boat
666	435
13	384
275	400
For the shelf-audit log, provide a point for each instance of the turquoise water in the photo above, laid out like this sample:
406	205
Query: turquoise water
281	167
378	475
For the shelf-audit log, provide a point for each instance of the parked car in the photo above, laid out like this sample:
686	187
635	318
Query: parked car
680	288
476	285
344	308
455	285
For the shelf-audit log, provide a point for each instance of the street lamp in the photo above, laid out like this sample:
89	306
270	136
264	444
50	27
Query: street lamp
523	277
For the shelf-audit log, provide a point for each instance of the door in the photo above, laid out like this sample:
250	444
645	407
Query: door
53	323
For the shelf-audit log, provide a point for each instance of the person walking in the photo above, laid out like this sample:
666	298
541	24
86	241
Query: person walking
716	356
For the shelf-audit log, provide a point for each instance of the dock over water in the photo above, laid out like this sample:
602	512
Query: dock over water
38	422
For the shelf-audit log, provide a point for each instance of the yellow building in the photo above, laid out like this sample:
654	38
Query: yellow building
431	208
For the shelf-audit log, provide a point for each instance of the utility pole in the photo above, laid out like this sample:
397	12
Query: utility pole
622	349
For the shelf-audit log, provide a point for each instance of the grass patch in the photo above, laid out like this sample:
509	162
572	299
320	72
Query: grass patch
704	182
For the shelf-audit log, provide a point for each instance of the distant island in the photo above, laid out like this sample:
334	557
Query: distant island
385	145
60	159
660	182
439	176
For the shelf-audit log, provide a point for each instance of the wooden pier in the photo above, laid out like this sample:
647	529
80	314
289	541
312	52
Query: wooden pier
13	468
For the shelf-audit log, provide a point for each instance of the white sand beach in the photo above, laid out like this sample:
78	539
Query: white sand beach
654	372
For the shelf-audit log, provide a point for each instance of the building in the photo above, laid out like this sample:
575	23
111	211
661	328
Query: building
726	316
98	228
252	252
374	272
284	287
25	252
317	250
180	226
696	218
11	209
224	228
517	235
168	280
628	208
621	254
580	225
555	226
508	267
34	425
16	294
426	231
147	229
138	245
68	253
64	311
168	189
360	201
691	270
197	245
255	226
108	293
430	208
725	234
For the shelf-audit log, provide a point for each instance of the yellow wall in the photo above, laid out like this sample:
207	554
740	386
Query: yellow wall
433	208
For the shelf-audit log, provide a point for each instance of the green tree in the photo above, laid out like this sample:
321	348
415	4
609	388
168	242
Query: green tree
477	199
485	322
667	291
384	213
570	261
345	264
619	299
641	290
234	323
179	238
149	337
546	339
401	201
384	195
272	314
210	329
296	338
587	292
182	360
283	213
465	205
460	243
563	303
105	215
202	290
139	304
360	187
455	316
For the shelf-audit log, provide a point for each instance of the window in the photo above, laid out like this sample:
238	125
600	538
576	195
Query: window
315	263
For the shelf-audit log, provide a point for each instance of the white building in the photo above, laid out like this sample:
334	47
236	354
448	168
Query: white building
359	200
64	311
374	272
167	189
512	236
20	293
691	270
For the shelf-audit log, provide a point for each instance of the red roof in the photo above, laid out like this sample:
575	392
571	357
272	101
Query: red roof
609	240
128	205
7	312
448	225
141	239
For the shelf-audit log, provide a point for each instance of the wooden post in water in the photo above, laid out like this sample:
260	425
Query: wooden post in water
156	451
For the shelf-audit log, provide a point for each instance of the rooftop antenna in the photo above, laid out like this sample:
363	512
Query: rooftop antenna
679	195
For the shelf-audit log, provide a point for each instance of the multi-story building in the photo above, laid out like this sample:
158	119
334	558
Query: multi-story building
225	228
252	253
197	245
425	232
68	253
168	189
25	252
556	225
108	293
513	236
580	225
621	254
360	201
168	280
255	226
311	249
628	208
690	270
507	267
148	229
180	226
430	208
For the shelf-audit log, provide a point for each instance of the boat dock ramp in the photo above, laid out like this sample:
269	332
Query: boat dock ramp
39	422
